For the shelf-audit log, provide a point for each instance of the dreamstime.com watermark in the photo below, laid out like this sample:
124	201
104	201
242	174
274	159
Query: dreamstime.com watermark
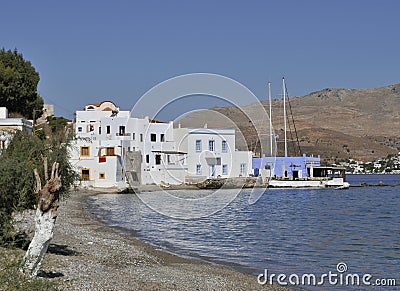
337	278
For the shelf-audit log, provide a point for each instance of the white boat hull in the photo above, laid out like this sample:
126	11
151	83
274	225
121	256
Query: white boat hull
308	183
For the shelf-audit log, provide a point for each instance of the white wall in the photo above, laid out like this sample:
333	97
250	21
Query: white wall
111	168
215	162
3	112
245	158
8	126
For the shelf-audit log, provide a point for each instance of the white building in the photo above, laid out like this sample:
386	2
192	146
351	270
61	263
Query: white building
211	153
112	148
8	126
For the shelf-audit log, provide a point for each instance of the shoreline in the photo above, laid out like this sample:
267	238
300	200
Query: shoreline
87	254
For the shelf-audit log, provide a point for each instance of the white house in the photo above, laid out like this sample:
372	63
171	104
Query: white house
113	148
211	153
8	126
99	163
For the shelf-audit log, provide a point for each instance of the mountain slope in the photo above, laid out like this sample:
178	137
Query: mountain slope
362	124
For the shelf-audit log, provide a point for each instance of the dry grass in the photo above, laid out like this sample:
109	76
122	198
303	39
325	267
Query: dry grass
12	279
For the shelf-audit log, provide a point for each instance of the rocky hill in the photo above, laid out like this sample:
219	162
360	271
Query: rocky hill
363	124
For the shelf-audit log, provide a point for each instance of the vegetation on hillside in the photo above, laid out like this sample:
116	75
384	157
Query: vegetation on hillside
56	123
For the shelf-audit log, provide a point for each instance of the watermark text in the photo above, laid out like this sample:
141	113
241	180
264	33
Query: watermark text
340	277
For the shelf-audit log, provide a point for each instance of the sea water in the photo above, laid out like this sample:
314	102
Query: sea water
287	231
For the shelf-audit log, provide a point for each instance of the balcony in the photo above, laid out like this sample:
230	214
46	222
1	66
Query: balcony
123	134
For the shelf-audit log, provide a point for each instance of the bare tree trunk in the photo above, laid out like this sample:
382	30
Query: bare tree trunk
45	219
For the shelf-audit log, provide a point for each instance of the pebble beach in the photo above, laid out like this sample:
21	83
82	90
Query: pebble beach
85	254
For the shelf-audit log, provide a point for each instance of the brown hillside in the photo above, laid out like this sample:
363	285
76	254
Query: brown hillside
362	124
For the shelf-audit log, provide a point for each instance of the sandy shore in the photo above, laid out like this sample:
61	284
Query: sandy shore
86	254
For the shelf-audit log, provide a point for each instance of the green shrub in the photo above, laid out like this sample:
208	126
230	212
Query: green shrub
23	154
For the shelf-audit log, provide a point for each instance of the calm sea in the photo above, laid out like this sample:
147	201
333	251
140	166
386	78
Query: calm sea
290	231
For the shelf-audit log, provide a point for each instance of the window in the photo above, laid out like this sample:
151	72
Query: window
133	136
102	175
90	127
153	137
162	137
85	174
79	129
243	169
198	145
224	146
108	128
225	169
122	130
141	137
211	145
147	159
99	129
158	159
85	151
110	151
198	169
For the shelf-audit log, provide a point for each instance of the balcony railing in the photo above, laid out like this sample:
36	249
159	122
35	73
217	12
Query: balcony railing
123	134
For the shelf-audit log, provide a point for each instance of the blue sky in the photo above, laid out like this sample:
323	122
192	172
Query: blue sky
87	51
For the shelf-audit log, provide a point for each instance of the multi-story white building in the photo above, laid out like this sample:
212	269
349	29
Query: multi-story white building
211	153
113	148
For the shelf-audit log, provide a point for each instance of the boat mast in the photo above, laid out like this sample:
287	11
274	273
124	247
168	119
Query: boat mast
284	112
270	117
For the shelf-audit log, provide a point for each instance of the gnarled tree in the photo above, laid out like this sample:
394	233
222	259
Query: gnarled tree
24	184
45	218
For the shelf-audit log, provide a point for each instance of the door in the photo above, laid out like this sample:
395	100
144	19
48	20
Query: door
85	174
212	171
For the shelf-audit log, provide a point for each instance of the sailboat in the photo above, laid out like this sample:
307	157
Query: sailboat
295	171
